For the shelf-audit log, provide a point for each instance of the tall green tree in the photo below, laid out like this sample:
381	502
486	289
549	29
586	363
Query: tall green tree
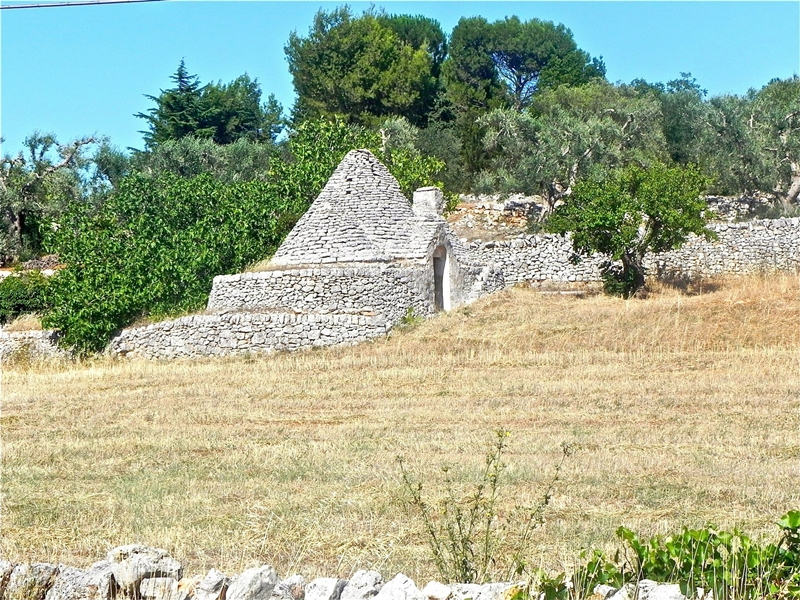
222	112
35	187
731	150
569	134
534	54
776	110
630	213
361	69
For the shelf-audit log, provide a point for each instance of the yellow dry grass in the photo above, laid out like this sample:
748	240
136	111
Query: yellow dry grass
683	409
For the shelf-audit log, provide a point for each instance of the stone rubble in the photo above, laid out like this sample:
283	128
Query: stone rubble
143	575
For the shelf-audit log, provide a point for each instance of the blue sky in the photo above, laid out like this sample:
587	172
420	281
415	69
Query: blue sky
84	70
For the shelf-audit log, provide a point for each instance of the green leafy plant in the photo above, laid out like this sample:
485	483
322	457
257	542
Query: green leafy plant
727	564
22	293
632	212
463	532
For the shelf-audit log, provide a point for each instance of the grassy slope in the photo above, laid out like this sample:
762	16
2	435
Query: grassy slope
683	408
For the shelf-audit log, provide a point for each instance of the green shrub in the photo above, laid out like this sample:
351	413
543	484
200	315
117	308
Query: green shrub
727	563
22	293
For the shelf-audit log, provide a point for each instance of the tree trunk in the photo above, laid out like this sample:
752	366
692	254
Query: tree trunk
794	188
633	271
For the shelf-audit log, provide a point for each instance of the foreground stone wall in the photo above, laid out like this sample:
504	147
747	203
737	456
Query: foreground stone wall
137	572
242	332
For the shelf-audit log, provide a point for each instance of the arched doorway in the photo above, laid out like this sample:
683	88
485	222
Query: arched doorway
441	279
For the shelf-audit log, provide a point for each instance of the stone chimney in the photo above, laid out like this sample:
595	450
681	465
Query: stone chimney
428	201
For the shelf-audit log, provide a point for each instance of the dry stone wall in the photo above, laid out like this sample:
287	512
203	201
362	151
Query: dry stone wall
746	247
30	345
243	332
137	572
362	289
740	248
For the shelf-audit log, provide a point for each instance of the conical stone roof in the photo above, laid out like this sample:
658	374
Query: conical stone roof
361	215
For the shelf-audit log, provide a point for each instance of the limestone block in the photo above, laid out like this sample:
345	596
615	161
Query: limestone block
465	591
436	591
30	581
291	588
253	584
325	588
133	563
362	585
212	586
400	588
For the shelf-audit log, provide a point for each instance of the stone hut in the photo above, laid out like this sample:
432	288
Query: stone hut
360	259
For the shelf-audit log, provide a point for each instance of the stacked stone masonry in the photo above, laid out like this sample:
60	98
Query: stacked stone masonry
137	572
761	245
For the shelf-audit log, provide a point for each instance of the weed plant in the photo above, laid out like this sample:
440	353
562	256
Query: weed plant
464	534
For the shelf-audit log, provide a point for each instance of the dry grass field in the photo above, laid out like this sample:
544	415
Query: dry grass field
683	408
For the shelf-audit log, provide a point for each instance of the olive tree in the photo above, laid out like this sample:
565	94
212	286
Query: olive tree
630	213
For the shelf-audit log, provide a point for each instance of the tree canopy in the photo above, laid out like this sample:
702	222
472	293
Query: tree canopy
221	112
365	68
631	212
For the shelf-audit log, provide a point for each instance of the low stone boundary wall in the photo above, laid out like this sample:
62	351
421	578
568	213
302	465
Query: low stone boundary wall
746	247
137	572
242	332
30	345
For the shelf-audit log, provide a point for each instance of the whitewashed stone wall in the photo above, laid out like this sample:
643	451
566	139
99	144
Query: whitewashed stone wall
242	332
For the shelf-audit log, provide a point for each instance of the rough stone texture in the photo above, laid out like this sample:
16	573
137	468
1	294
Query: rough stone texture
436	591
70	584
465	591
499	591
159	588
291	588
603	591
30	581
241	333
651	590
362	585
360	215
30	345
253	584
325	588
400	588
747	247
212	586
729	209
751	246
132	563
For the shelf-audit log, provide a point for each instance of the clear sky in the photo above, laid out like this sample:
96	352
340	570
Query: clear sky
84	70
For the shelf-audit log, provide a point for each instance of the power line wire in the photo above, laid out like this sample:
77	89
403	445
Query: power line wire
77	3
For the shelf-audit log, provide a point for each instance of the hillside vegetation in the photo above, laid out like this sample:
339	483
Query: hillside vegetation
682	408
